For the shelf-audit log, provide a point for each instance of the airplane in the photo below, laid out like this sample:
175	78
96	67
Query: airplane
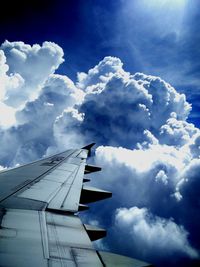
39	215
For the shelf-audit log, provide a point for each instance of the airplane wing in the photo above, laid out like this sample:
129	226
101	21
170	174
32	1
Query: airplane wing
39	222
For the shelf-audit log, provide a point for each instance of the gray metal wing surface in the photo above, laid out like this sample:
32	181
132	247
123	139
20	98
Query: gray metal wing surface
39	222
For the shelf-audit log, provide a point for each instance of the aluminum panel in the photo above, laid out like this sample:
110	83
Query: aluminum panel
58	176
72	237
68	166
75	161
61	263
58	199
83	154
24	248
63	220
71	202
115	260
69	196
86	258
65	232
43	190
15	179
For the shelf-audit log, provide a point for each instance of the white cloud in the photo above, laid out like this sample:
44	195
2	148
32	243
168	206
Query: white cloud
30	67
3	69
32	98
148	102
161	176
177	132
194	145
152	236
7	116
143	160
144	177
2	168
100	74
65	129
57	93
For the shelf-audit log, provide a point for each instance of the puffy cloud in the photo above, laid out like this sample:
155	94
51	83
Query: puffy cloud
3	70
57	93
153	237
2	168
38	99
147	101
165	98
143	177
143	160
7	116
162	178
194	145
187	193
29	68
100	74
177	132
65	129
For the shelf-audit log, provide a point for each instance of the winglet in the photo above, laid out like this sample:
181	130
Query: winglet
88	147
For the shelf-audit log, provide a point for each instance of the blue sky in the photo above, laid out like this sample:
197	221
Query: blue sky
145	141
154	37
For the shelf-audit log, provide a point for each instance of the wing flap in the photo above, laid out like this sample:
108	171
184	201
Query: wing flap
69	196
115	260
86	258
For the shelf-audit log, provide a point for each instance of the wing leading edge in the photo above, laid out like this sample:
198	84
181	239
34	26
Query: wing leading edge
38	214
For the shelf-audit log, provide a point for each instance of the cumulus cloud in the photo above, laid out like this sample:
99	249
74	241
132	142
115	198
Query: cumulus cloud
149	151
144	177
30	108
161	178
177	132
39	116
64	126
29	68
3	70
151	236
147	101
